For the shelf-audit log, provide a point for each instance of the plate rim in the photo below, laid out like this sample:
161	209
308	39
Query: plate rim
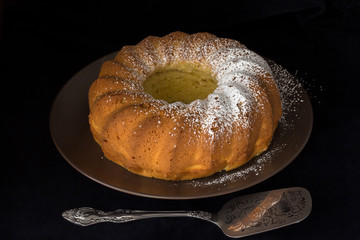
178	197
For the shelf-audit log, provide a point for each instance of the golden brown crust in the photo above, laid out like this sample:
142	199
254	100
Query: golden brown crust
150	138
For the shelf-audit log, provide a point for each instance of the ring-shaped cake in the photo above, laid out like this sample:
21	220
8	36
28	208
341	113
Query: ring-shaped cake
184	106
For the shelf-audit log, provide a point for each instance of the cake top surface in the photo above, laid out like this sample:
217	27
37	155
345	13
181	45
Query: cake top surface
237	71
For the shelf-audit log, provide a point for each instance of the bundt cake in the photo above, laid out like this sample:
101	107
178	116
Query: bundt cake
184	106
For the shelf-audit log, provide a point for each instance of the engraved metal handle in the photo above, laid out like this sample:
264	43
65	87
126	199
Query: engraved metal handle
86	216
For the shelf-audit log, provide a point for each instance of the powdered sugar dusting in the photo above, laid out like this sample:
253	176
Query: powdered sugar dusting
233	99
231	55
290	92
235	68
238	93
240	174
237	71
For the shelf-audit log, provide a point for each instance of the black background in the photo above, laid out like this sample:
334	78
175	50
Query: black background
44	43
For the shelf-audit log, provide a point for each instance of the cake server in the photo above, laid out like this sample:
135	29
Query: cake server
239	217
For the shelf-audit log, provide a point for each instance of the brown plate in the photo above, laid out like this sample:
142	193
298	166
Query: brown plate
71	134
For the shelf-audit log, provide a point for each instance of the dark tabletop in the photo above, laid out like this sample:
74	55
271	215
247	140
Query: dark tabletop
44	43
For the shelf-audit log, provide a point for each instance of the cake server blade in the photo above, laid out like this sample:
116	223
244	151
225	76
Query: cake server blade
241	216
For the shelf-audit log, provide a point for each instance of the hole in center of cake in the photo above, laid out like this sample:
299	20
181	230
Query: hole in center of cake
182	83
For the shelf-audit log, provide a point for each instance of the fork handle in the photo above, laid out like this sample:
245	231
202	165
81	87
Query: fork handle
86	216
